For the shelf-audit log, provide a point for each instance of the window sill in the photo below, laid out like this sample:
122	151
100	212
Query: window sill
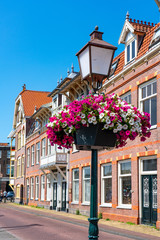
124	206
85	204
75	151
109	205
74	203
153	127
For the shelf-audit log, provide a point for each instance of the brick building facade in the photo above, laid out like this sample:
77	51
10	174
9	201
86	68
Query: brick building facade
128	177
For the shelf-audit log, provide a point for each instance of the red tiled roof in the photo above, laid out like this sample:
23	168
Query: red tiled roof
141	26
31	99
143	49
4	144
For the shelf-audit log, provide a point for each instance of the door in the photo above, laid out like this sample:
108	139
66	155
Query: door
149	199
63	196
54	196
21	195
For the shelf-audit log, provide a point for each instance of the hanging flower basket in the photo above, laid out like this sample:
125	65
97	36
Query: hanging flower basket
97	122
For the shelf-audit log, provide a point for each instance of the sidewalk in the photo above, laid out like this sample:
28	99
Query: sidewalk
6	235
111	225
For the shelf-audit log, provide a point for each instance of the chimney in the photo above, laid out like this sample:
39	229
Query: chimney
24	87
96	34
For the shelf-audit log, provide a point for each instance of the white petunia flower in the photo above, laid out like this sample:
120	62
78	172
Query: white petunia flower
90	120
106	126
83	121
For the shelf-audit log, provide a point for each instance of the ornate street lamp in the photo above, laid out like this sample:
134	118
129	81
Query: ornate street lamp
95	60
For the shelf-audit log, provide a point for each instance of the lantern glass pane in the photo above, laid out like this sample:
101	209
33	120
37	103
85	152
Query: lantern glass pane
101	60
84	62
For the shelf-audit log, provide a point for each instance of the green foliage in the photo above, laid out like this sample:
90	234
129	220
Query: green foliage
107	219
130	223
77	212
100	215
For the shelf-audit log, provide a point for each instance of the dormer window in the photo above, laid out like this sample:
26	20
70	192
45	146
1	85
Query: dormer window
114	67
156	37
130	51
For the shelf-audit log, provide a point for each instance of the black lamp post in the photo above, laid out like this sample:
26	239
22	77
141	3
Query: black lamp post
95	60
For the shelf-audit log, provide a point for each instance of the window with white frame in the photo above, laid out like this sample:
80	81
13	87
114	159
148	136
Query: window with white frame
124	182
43	147
22	166
8	169
148	100
18	166
37	187
8	153
130	51
37	153
48	187
42	187
28	157
149	165
32	155
32	187
49	147
86	184
75	187
12	169
106	184
126	97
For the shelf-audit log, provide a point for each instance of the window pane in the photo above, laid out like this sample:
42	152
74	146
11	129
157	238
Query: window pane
76	191
129	99
149	90
146	106
154	87
133	49
144	92
154	111
125	168
86	172
126	190
107	170
108	190
76	174
87	190
150	165
128	53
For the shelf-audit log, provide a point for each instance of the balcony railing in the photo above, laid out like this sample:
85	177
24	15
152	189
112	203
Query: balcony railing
51	160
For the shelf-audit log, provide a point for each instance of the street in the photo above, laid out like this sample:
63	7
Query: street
28	224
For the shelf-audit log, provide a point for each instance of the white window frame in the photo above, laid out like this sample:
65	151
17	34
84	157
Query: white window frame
83	186
32	154
18	166
43	147
36	187
49	148
42	187
37	152
32	187
48	187
130	43
140	96
120	176
102	185
28	157
74	181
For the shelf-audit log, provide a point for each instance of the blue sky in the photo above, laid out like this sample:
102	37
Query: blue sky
39	40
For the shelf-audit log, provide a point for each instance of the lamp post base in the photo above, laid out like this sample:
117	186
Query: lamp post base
93	228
